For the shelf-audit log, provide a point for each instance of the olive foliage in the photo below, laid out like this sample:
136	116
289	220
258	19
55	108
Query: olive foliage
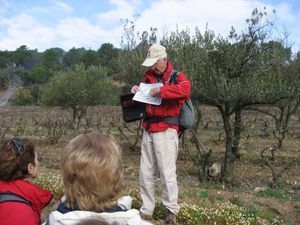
79	88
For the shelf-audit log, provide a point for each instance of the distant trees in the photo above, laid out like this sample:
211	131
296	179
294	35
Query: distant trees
36	68
89	58
52	58
5	74
5	68
5	58
107	55
24	59
16	62
72	57
20	56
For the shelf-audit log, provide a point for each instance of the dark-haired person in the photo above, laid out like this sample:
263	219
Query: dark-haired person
92	172
21	201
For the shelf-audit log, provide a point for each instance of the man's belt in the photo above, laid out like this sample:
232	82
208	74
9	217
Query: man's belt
174	120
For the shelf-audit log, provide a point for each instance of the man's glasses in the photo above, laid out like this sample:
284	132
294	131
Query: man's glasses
17	145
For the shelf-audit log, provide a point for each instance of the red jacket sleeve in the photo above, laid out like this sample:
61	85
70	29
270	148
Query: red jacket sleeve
182	88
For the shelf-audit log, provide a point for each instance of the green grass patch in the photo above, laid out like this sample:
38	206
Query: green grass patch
212	185
274	193
279	194
297	208
220	197
194	193
204	194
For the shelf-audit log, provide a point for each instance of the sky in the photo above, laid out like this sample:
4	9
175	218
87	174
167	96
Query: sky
44	24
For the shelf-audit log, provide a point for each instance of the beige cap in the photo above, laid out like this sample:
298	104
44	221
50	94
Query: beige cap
155	53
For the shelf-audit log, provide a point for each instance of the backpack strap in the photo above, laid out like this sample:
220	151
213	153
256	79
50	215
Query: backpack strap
62	208
11	197
173	77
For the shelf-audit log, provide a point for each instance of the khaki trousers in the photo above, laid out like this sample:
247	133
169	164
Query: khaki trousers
158	157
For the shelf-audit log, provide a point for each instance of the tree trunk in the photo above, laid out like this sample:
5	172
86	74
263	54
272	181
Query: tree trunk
227	174
237	133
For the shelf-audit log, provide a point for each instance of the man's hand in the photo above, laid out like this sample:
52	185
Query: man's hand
134	89
155	91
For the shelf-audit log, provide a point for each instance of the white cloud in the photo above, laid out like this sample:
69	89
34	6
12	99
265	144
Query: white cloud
79	32
66	32
167	15
122	10
39	10
62	7
57	7
25	30
219	15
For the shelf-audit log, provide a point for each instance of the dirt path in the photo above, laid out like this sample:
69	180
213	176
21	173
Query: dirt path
5	95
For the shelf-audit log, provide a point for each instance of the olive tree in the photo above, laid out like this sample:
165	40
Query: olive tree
237	72
79	88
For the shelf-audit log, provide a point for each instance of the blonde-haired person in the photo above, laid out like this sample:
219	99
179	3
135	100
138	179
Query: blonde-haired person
21	202
92	172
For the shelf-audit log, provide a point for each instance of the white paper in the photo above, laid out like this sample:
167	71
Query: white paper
143	95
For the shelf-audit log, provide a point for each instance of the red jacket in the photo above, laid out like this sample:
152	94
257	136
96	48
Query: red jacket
17	213
173	96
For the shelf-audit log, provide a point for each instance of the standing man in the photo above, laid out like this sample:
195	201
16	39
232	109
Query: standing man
160	136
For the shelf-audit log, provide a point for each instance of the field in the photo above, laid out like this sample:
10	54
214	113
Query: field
52	128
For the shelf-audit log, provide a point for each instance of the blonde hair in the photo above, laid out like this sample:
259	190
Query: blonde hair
92	171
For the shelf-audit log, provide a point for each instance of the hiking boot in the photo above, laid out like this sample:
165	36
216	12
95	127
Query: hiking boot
145	216
170	218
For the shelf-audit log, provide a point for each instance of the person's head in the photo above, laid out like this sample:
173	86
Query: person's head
92	171
18	160
156	59
92	222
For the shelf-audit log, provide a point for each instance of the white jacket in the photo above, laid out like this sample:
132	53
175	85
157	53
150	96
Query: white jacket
129	217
